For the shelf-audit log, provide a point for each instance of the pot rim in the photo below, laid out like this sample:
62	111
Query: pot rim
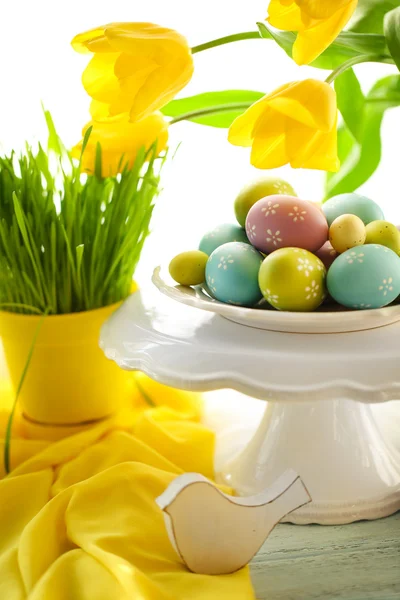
73	316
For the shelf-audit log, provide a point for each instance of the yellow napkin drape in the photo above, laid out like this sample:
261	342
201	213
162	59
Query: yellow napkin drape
78	519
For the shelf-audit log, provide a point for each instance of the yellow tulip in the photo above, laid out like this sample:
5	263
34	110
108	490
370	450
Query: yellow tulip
318	23
120	142
136	68
295	124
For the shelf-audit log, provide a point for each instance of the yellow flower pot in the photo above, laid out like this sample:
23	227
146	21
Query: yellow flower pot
69	381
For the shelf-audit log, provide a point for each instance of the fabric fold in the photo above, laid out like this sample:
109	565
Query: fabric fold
78	517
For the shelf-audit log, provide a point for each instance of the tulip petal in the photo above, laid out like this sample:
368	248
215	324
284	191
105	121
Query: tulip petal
99	79
241	131
321	9
100	111
145	37
121	139
310	149
285	16
161	87
269	153
269	147
310	102
310	43
93	40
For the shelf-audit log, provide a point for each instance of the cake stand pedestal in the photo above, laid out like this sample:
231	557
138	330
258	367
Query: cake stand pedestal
319	388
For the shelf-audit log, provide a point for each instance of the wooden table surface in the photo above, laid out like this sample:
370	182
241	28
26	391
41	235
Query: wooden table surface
360	561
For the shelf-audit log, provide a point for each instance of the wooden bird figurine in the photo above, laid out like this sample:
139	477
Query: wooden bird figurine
215	533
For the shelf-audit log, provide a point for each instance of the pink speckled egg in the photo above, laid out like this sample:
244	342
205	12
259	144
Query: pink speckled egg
286	221
327	254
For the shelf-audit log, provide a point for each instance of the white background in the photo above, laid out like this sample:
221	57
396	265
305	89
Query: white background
38	64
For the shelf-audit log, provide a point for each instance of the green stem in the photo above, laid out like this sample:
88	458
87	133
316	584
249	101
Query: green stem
7	440
236	37
145	395
210	111
356	61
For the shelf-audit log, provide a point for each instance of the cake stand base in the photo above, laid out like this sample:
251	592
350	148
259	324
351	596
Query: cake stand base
336	447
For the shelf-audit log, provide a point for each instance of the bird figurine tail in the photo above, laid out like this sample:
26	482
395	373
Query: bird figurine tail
215	533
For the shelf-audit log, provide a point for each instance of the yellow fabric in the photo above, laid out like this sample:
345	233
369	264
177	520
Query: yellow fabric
120	141
136	67
317	22
295	124
78	519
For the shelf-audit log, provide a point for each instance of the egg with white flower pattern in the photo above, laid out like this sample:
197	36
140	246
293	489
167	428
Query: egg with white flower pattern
222	234
352	204
285	221
293	279
365	277
232	274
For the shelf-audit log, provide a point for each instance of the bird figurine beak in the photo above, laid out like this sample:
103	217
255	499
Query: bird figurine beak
217	534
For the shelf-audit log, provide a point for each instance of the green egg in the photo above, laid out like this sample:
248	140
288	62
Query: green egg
352	204
251	193
189	268
293	279
383	233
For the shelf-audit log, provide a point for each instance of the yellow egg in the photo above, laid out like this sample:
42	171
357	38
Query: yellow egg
383	233
189	268
346	232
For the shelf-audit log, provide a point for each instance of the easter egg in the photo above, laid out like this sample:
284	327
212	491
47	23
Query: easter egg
222	235
232	274
352	204
327	254
251	193
365	277
347	231
189	268
293	279
384	233
285	221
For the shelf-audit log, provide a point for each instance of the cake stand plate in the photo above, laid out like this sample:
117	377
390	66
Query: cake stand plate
329	318
318	420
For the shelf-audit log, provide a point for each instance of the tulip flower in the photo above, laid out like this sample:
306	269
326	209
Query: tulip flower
295	124
317	22
120	142
136	68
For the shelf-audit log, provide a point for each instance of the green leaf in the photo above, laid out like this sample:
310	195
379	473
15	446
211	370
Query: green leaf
216	109
361	158
346	143
351	101
370	14
347	45
391	27
284	39
54	142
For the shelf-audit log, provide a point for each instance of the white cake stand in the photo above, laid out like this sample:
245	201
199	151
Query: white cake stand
318	420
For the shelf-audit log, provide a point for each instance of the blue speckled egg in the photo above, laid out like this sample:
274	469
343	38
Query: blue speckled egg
222	235
352	204
365	277
232	274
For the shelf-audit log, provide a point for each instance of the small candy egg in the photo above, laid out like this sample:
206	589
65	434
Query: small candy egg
254	191
384	233
285	221
347	231
352	204
365	277
293	279
222	235
232	274
327	254
189	268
